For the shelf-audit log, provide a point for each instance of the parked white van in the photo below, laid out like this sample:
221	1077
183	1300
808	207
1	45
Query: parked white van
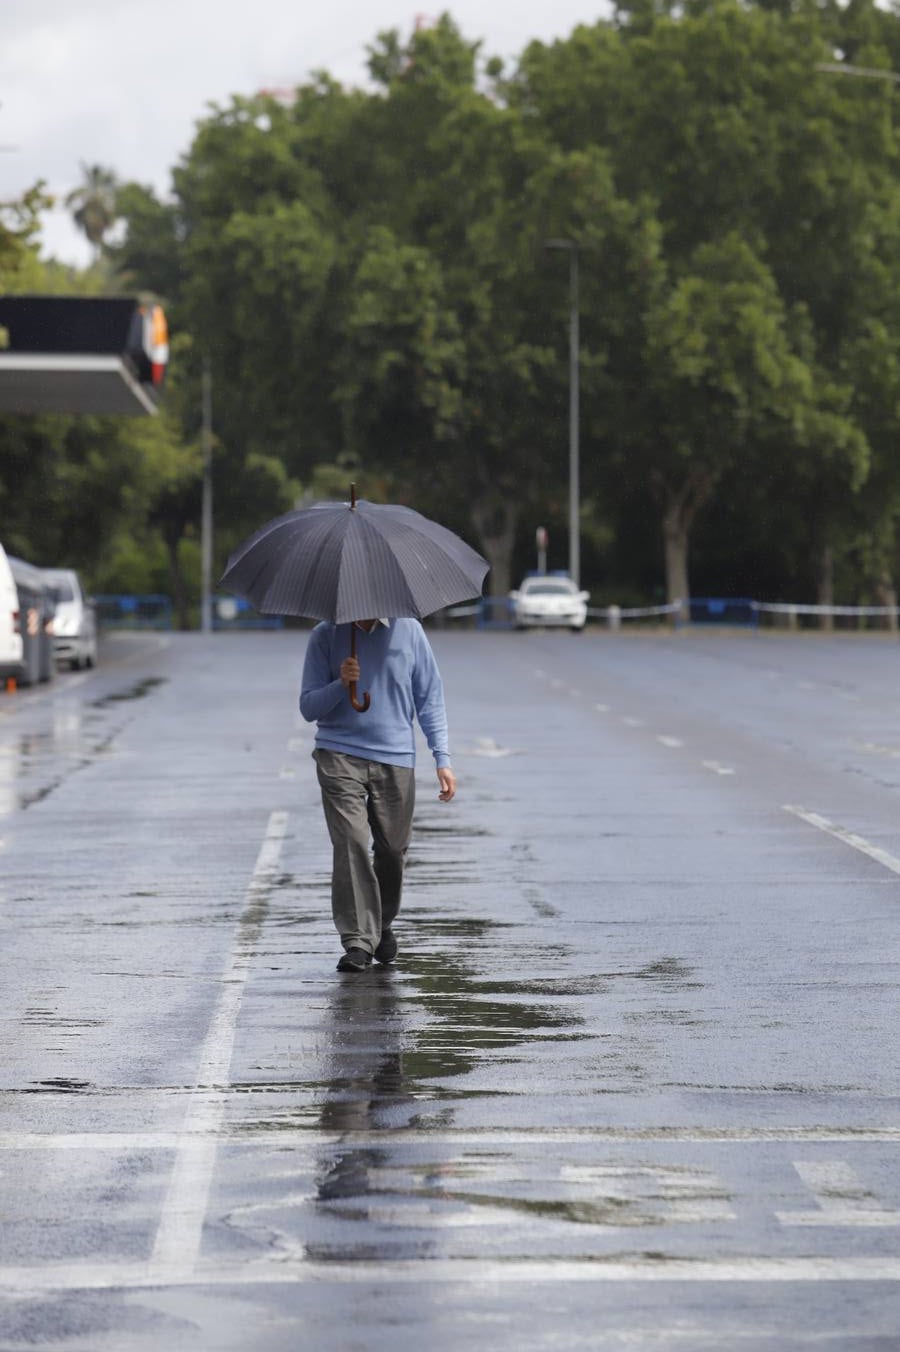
74	622
10	625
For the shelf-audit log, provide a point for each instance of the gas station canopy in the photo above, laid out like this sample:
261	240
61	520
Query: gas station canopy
81	354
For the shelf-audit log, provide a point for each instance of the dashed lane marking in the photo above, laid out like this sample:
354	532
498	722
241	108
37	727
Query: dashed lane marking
177	1242
633	722
850	838
717	768
877	749
672	742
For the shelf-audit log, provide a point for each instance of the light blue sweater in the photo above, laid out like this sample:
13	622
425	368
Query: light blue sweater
398	669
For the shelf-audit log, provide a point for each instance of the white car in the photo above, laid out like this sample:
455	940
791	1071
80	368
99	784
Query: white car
74	624
545	600
11	649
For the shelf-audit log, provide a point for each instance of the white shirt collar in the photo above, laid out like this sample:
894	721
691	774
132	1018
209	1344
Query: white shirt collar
380	620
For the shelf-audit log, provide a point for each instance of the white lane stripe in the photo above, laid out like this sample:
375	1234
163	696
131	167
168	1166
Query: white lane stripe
602	708
842	1200
633	722
232	1135
472	1271
717	768
184	1209
670	741
877	749
848	837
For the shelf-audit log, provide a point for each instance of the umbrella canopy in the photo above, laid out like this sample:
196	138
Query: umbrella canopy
354	560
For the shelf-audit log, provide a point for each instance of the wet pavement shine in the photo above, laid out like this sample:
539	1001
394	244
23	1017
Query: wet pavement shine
632	1083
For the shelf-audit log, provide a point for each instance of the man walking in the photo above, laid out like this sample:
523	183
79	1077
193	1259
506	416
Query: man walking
365	764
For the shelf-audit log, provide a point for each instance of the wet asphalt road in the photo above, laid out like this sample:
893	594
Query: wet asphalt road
633	1082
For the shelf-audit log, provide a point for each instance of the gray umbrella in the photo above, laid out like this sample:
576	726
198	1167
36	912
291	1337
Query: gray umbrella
345	561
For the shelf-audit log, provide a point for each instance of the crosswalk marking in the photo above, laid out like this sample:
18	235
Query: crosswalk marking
651	1194
841	1198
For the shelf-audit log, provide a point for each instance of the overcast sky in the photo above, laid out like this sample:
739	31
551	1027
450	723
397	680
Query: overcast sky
121	83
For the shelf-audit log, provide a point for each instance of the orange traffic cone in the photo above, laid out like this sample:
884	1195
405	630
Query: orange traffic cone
11	685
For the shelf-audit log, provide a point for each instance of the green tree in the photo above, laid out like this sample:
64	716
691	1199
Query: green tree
93	203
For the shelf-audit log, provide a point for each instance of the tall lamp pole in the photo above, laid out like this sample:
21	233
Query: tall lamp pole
574	365
206	521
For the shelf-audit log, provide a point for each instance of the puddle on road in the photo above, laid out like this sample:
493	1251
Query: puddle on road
671	971
36	764
60	1085
133	692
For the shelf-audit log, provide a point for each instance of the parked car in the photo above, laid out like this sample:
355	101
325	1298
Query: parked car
35	619
75	621
550	600
10	622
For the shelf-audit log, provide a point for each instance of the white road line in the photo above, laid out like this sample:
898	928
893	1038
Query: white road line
602	708
670	741
717	768
848	837
877	749
296	1138
184	1208
633	722
476	1271
841	1199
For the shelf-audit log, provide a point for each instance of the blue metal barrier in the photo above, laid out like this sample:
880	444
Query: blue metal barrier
232	612
734	610
495	612
134	612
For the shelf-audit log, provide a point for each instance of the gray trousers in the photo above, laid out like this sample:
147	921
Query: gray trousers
365	802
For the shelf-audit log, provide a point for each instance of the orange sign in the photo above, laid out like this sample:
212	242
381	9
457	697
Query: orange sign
156	341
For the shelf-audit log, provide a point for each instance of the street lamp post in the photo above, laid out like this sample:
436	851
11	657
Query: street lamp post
574	364
206	513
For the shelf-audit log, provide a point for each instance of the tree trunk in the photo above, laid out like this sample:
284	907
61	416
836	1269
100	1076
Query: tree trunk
179	588
886	593
495	520
677	519
825	586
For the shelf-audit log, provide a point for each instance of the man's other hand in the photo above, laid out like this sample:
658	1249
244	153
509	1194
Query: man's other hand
447	781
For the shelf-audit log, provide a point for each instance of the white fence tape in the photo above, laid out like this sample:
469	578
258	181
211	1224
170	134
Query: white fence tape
788	608
633	612
615	614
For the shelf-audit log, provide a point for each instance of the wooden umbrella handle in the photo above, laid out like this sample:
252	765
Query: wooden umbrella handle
366	701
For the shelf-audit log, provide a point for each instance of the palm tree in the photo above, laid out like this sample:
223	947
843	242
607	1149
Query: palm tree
94	201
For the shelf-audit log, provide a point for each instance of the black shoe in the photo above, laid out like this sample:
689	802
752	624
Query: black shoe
354	960
387	947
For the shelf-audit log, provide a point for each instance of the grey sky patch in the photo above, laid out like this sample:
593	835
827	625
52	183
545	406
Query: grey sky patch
122	84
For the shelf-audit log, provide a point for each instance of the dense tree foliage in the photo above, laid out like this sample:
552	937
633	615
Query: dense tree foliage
366	272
